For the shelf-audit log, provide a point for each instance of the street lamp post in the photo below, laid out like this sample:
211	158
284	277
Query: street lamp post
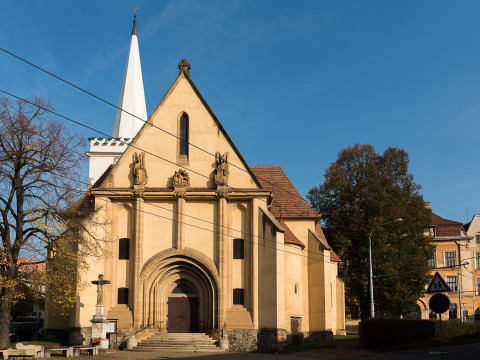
372	303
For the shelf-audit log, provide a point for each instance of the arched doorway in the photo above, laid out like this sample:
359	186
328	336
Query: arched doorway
183	309
179	292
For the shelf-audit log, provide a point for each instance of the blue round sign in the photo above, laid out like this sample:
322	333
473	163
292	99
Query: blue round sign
439	303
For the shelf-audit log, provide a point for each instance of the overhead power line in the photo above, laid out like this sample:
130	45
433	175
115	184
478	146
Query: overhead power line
135	116
86	126
82	192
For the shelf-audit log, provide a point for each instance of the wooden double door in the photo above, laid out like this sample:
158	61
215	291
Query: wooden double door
182	314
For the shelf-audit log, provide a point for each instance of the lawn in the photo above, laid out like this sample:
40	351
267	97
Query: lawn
339	338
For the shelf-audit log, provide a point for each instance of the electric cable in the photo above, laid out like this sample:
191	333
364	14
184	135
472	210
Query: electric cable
127	112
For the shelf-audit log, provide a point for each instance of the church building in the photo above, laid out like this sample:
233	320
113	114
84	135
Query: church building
195	239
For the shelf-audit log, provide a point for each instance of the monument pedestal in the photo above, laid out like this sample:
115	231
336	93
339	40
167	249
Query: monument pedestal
99	326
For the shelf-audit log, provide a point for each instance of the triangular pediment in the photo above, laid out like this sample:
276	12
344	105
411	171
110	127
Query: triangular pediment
158	139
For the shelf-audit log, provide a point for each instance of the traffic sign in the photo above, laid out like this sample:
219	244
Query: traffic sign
437	285
439	303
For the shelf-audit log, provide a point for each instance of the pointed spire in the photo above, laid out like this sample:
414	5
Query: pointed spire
134	29
132	96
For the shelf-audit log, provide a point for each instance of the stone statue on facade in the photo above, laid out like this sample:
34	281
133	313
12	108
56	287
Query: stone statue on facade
181	182
221	176
139	171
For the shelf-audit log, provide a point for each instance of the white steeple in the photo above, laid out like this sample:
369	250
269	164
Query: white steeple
132	97
104	152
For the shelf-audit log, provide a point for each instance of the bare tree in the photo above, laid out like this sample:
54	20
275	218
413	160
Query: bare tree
40	173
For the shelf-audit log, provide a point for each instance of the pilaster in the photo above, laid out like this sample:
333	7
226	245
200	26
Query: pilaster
222	263
254	263
181	231
280	280
136	289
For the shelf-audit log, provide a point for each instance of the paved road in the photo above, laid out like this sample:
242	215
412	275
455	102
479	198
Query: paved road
461	352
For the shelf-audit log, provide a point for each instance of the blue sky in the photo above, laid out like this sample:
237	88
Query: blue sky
292	82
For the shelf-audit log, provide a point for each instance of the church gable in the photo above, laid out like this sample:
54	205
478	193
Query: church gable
186	139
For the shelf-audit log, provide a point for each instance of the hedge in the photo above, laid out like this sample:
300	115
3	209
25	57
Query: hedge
455	329
376	333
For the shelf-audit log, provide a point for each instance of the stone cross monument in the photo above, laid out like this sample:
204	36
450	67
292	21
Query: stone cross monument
99	320
100	282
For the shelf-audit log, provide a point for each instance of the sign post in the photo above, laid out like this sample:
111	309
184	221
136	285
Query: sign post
439	303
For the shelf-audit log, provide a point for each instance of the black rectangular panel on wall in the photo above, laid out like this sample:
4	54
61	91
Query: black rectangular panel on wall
238	249
124	249
238	295
123	296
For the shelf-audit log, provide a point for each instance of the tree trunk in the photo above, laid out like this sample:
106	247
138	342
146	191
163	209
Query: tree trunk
5	307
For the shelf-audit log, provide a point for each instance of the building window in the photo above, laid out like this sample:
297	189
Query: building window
452	282
477	314
431	314
477	239
478	286
477	260
297	289
452	311
431	262
184	135
450	258
124	249
122	296
238	297
238	249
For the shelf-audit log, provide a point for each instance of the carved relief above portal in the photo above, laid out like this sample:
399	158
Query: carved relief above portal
221	176
181	182
139	171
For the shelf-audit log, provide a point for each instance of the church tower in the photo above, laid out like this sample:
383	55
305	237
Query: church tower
131	115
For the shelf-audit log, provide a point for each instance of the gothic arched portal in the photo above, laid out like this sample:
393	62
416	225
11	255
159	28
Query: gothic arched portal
178	292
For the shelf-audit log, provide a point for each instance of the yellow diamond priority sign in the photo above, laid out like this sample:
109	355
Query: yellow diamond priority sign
437	285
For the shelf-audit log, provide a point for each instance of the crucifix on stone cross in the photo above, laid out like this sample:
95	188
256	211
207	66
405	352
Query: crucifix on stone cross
100	282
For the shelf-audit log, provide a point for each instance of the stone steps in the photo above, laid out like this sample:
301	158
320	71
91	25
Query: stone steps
178	342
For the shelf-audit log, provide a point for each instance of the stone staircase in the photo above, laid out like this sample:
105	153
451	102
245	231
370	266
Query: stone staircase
178	342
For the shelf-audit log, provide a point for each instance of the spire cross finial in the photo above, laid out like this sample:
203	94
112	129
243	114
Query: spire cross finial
135	8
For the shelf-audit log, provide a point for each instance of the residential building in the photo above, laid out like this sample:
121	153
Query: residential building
454	259
473	230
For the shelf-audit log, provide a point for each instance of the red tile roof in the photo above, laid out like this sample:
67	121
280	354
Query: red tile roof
445	227
82	206
333	255
86	203
289	236
287	201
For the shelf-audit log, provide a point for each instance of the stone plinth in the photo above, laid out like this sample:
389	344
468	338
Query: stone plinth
99	326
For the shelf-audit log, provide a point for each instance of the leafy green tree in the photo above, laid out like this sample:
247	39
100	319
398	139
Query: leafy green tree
363	189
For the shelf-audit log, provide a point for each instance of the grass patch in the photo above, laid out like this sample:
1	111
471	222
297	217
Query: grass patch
339	338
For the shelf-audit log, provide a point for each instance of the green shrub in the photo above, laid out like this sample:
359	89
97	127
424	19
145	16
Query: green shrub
377	333
456	329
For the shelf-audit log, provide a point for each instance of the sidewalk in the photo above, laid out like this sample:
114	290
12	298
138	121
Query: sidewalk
343	350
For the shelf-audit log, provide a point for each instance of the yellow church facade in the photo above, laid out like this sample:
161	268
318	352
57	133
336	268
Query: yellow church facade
196	240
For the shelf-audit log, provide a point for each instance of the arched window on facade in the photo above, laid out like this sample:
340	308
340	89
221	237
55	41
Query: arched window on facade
183	150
